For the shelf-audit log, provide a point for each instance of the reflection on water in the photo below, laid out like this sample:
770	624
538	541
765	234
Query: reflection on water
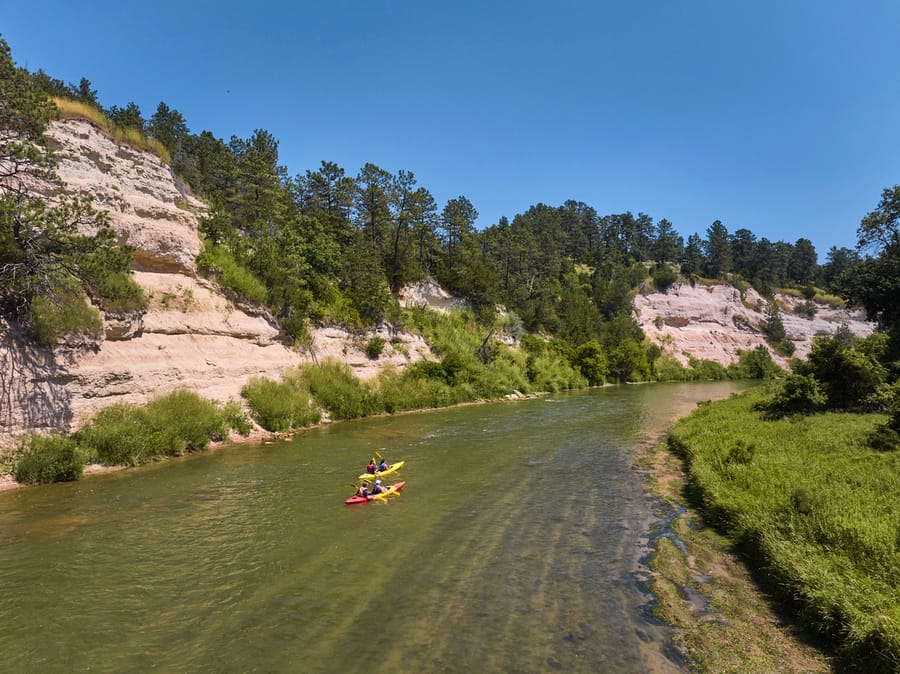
516	546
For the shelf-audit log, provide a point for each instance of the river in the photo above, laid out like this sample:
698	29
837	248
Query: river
518	545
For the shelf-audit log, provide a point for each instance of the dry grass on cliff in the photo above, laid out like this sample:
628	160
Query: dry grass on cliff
69	109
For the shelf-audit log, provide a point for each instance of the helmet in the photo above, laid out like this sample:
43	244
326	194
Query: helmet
377	481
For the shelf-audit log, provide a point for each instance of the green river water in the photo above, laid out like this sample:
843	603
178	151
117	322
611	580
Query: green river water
518	545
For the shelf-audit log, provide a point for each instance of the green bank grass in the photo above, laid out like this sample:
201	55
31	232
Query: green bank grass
814	507
280	406
48	458
169	425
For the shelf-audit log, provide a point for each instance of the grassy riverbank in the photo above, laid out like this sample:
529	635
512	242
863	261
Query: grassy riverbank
813	510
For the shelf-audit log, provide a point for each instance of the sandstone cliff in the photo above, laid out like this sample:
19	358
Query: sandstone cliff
715	321
192	335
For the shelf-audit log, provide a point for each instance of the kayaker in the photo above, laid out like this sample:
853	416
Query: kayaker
363	490
371	467
383	466
378	488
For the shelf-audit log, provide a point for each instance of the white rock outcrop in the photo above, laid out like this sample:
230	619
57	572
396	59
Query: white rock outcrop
715	321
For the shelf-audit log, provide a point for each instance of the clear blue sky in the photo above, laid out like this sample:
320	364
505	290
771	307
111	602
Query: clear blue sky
779	116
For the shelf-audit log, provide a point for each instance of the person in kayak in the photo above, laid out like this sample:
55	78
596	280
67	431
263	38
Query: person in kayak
378	488
383	466
363	490
371	467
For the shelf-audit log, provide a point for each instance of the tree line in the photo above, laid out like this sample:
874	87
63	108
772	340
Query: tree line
326	245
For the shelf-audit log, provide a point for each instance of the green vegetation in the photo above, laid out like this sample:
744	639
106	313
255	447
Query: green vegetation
48	267
811	503
280	406
123	135
169	425
48	458
64	312
218	263
336	389
374	347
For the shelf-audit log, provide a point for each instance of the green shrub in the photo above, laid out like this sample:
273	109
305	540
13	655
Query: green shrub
169	425
668	368
219	263
754	364
501	377
410	391
807	309
553	372
49	458
279	406
798	394
184	422
884	439
591	362
707	370
67	312
119	293
234	416
118	434
374	347
663	277
336	389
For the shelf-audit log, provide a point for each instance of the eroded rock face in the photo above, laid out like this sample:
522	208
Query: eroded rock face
715	321
146	206
191	336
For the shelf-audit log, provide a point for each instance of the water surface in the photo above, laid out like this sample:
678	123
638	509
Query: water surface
515	547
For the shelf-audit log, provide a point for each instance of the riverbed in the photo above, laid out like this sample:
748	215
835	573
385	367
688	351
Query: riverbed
518	544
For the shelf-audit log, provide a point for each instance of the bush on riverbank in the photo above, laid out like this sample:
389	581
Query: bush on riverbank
48	458
814	506
179	422
279	406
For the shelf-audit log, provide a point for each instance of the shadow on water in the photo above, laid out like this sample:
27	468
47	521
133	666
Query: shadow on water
519	544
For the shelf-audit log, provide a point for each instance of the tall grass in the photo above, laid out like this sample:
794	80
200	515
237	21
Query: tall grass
336	389
69	109
169	425
814	506
280	406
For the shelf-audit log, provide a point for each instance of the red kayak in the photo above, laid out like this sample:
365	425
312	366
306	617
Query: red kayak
393	489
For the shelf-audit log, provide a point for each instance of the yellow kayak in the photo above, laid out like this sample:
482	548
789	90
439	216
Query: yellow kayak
371	476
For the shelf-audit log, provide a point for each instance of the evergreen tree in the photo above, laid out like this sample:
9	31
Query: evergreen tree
840	263
457	223
743	252
802	263
692	261
129	117
717	260
668	246
372	201
169	128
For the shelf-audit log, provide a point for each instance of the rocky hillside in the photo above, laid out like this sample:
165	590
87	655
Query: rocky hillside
715	321
192	335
